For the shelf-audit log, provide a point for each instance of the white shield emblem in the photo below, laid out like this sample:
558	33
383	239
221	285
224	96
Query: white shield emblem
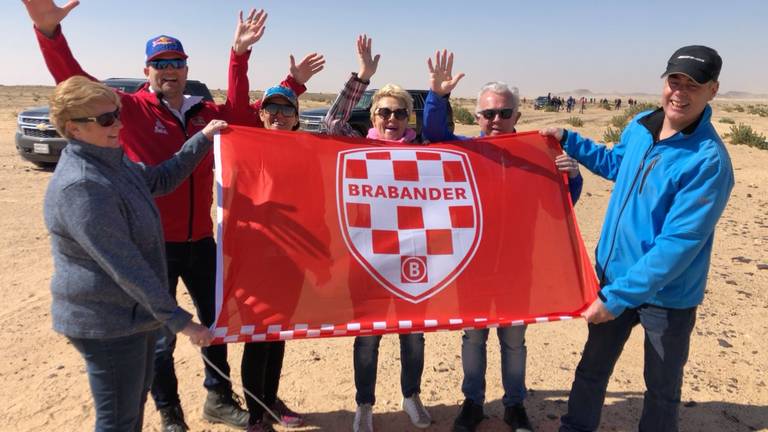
410	216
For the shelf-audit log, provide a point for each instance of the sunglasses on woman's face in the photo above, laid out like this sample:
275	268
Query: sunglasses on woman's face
167	63
491	114
103	120
285	110
385	113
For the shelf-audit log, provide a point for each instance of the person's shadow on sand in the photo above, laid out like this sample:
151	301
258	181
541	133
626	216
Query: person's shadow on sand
545	408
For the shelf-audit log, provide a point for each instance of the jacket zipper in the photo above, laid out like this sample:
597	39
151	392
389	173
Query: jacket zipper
191	176
601	280
648	171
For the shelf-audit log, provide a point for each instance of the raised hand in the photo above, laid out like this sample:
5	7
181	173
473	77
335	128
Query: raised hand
441	80
368	64
46	16
249	31
307	68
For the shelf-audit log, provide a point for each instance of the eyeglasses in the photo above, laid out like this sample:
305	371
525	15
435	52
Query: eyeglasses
285	110
491	114
385	113
103	120
167	63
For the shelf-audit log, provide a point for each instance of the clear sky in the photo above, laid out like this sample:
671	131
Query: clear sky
539	46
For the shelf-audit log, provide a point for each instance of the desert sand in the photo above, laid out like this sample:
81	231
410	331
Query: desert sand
725	389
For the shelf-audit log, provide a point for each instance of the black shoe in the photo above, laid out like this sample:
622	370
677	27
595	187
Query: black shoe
517	419
469	417
172	418
224	407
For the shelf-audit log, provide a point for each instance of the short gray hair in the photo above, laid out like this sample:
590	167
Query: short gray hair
500	88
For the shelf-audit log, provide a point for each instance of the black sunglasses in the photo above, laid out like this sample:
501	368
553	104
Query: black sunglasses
490	114
285	110
385	113
167	63
103	120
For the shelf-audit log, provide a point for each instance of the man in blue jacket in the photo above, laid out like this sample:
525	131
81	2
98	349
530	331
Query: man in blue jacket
673	178
498	110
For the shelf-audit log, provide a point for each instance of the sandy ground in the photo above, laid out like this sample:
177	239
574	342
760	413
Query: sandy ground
725	389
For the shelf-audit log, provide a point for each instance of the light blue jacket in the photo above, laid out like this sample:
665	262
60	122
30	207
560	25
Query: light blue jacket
656	240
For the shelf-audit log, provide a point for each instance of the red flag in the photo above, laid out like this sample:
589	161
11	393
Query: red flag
331	236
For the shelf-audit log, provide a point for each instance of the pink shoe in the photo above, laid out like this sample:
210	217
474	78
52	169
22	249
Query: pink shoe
261	426
288	418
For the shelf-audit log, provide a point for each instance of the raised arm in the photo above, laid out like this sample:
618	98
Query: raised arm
336	121
47	17
247	33
441	84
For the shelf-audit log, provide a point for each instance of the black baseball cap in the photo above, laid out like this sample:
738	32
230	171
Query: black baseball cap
702	64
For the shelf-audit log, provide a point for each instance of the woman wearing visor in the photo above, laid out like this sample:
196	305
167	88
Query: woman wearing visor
109	287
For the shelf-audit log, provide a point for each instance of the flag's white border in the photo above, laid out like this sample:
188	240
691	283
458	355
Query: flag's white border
219	227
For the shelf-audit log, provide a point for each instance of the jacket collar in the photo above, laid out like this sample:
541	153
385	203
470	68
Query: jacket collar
655	120
110	156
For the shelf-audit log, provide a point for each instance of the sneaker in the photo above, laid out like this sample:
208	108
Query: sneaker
416	411
288	418
260	426
225	407
172	419
469	417
517	419
363	418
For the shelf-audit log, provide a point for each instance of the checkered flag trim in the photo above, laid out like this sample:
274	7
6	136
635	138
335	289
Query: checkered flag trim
304	331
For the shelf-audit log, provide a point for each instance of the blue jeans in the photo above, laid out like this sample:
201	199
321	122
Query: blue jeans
667	337
513	356
119	373
366	358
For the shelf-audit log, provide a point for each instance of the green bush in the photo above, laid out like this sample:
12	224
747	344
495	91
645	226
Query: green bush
738	108
463	116
727	120
619	121
612	135
575	121
605	105
550	108
744	134
762	111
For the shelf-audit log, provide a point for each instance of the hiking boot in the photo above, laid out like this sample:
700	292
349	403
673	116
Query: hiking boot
172	419
288	417
260	426
416	411
224	407
469	417
517	419
363	419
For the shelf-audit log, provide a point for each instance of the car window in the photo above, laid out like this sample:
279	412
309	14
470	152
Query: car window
418	100
365	102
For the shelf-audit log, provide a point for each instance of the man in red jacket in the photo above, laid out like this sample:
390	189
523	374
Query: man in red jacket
157	119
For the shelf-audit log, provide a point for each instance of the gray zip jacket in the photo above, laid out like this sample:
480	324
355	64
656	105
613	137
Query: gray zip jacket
110	272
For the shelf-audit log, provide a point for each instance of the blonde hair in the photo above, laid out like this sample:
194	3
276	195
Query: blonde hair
395	91
73	98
